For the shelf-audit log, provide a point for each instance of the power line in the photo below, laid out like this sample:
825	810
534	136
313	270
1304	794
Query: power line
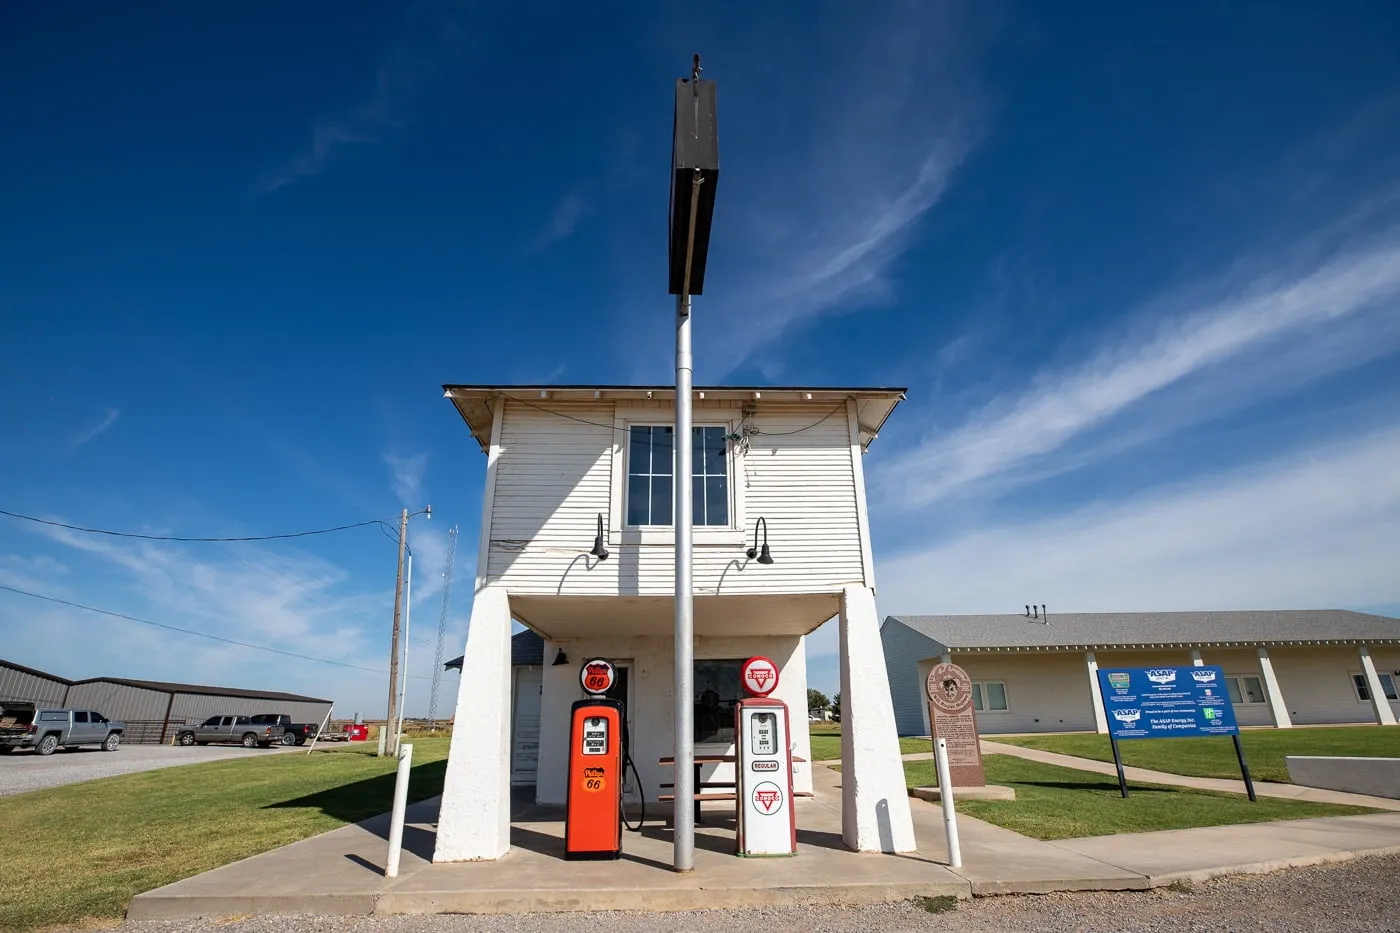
186	631
132	534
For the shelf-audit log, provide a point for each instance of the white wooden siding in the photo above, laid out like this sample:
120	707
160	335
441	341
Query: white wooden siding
555	476
904	649
1044	692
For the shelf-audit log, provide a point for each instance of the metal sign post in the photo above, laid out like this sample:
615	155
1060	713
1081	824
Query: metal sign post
694	172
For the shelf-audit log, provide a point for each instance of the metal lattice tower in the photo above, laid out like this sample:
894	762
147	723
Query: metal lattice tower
442	626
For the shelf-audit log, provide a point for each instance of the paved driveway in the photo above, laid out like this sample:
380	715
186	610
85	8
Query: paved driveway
26	771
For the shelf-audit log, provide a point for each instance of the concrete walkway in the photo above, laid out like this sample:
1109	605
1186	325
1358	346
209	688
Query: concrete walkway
1148	776
341	872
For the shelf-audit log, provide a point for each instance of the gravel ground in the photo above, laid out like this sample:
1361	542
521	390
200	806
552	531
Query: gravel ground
26	770
1359	895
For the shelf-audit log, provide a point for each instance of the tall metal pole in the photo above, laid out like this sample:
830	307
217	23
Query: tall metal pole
407	647
684	819
390	716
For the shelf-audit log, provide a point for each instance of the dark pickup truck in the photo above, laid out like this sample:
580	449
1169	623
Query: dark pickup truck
293	733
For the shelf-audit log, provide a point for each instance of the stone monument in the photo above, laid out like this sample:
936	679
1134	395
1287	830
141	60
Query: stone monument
950	717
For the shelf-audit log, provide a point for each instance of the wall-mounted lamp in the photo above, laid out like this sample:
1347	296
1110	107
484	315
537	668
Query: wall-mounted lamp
600	550
764	555
561	658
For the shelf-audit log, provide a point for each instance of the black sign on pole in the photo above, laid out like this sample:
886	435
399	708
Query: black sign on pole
695	150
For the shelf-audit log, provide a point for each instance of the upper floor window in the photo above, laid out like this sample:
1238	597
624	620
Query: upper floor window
651	475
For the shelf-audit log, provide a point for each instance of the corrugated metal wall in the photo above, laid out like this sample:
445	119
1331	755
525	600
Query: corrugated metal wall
22	685
191	708
118	701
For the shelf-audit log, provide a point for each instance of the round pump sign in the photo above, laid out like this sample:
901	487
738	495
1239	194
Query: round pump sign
597	676
760	676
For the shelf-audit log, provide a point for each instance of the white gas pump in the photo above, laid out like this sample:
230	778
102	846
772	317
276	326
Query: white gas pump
763	766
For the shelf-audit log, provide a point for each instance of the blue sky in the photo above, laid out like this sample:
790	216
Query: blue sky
1139	267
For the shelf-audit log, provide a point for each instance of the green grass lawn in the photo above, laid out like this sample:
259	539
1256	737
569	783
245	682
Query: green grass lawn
1264	749
80	852
1064	803
826	742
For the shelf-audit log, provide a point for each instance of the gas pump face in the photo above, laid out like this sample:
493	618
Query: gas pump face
593	825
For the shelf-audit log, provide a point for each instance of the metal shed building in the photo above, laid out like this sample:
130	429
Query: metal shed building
18	682
154	710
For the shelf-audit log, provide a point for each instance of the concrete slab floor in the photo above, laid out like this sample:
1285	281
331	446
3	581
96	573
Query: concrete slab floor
341	872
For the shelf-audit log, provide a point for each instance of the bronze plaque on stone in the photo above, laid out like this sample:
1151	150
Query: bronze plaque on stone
950	717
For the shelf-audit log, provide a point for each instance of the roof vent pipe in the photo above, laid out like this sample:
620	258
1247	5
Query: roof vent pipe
1044	614
1028	610
1035	612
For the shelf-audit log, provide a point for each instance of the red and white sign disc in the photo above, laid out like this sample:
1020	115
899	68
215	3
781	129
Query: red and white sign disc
597	676
768	798
760	676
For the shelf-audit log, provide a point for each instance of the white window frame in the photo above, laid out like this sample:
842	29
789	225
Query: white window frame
619	533
1382	676
979	690
1244	694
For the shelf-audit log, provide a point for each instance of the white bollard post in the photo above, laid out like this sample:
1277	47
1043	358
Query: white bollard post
945	794
391	869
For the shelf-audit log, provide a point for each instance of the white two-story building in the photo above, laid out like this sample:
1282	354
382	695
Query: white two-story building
564	462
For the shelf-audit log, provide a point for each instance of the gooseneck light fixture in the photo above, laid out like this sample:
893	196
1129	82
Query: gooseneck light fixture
764	555
600	550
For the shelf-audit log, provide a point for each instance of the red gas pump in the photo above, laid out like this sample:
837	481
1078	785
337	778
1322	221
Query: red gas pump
593	824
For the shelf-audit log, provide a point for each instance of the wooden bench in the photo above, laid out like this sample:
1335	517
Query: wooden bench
701	793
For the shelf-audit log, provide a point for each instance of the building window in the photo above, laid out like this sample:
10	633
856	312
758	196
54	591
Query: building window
1363	692
1245	690
651	472
717	689
989	696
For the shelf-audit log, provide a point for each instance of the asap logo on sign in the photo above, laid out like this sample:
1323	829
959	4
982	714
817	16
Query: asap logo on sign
1127	716
1162	675
1203	677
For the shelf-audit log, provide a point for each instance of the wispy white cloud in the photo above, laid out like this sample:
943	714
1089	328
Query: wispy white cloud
888	120
407	479
281	598
1317	529
1321	318
567	213
432	40
86	435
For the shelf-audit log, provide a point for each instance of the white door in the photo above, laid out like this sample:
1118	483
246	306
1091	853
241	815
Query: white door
525	738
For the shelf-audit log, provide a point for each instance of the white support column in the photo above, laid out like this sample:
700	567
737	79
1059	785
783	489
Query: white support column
1196	658
1385	716
875	813
1096	693
474	823
1276	703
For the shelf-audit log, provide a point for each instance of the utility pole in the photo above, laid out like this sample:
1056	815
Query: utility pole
391	746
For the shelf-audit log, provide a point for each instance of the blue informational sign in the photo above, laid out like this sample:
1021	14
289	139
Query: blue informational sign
1166	702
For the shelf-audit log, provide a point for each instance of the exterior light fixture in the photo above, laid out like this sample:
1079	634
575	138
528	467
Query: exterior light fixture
561	658
600	550
764	555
